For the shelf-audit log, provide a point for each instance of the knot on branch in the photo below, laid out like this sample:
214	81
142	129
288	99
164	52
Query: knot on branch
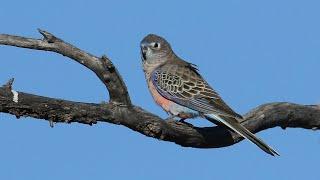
108	68
107	64
286	122
153	130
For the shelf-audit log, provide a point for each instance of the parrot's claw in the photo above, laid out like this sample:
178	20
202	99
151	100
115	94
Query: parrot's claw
173	119
170	119
182	120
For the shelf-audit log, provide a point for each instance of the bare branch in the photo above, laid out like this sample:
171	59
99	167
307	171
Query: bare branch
56	110
102	67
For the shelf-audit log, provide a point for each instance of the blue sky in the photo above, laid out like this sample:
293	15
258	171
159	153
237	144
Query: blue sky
252	52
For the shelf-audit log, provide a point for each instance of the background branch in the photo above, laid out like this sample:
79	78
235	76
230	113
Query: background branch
120	110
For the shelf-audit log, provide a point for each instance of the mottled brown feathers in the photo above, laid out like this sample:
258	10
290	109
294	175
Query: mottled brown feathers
181	80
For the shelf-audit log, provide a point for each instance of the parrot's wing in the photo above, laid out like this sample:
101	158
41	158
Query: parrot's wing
185	86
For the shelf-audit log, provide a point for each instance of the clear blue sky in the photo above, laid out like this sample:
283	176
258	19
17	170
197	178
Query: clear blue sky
252	52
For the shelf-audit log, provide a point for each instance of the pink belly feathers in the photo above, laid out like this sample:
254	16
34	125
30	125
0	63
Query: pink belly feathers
163	102
171	107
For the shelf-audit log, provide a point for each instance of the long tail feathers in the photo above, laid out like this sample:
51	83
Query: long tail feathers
238	128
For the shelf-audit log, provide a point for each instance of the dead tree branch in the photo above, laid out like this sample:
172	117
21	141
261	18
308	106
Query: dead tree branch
120	110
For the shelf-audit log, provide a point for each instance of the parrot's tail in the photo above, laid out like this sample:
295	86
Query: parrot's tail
233	124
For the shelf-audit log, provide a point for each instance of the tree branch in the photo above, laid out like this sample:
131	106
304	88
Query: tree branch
120	110
102	67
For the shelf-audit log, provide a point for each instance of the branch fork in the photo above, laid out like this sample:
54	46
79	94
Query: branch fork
119	110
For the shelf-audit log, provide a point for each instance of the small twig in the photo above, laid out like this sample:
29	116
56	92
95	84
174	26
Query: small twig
47	36
9	84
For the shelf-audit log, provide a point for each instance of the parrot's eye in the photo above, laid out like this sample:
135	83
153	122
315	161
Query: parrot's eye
155	45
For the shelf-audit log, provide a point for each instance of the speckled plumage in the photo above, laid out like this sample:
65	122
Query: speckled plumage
180	90
181	83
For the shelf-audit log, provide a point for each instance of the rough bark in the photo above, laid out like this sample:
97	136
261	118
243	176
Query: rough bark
121	111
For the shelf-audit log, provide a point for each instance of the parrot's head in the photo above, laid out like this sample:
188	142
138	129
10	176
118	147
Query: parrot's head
155	49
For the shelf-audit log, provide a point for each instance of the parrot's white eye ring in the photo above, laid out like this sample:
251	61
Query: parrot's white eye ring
155	45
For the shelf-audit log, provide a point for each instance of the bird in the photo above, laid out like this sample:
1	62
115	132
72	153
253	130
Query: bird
177	86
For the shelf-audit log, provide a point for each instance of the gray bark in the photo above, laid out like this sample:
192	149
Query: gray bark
119	110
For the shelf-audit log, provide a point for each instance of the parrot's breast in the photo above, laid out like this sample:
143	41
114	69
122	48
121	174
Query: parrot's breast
161	101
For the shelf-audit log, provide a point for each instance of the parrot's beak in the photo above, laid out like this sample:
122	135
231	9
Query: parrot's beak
144	50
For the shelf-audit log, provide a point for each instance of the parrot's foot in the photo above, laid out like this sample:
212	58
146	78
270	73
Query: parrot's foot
174	119
170	119
182	120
